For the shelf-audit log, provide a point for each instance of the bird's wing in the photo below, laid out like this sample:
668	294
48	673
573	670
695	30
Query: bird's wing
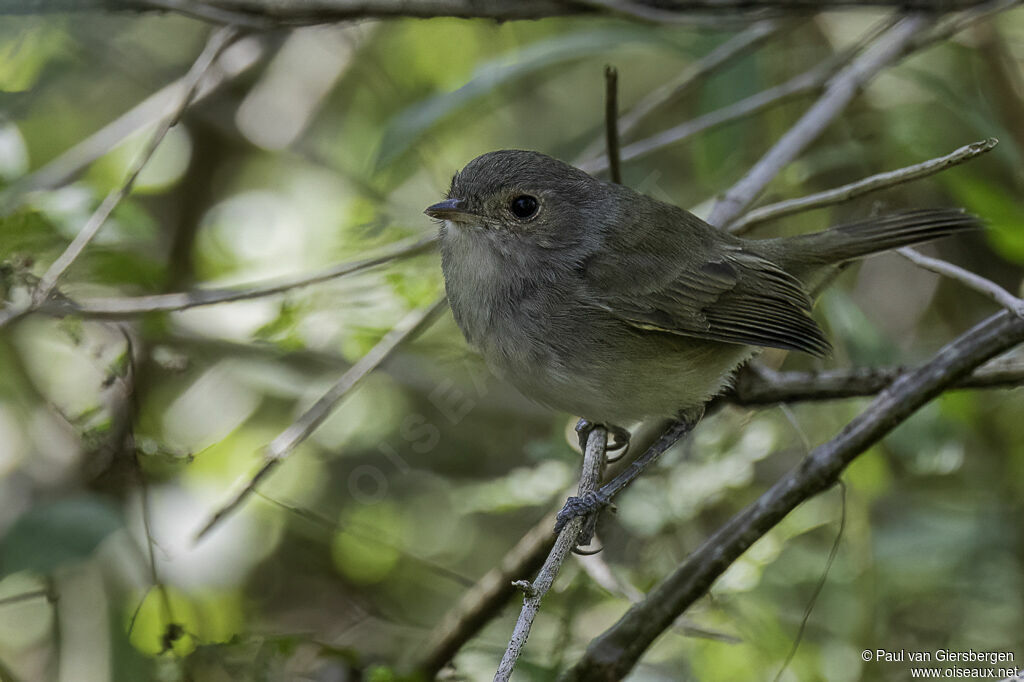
734	295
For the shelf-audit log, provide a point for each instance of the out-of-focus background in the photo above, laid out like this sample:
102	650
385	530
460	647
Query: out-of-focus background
317	146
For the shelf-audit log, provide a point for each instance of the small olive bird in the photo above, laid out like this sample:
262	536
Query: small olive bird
597	300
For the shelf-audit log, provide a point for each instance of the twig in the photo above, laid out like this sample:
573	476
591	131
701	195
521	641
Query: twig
722	55
819	586
611	116
872	183
590	478
220	39
125	306
840	92
980	284
803	83
613	654
231	64
487	597
301	428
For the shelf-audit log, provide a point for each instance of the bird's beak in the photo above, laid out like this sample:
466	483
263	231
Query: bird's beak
447	209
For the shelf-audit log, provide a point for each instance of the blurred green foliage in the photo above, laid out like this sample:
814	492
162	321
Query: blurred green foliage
359	544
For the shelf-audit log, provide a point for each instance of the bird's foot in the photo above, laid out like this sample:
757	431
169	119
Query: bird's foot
619	438
587	506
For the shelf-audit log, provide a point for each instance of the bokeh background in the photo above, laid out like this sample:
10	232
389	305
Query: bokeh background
324	145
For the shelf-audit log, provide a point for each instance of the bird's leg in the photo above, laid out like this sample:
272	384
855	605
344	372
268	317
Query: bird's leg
596	500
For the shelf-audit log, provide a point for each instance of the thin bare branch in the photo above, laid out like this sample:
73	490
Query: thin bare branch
982	285
485	600
614	653
839	92
721	56
127	306
807	82
590	478
220	39
301	428
869	184
230	64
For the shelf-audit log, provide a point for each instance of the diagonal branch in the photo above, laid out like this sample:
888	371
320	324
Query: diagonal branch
838	94
232	63
614	653
590	479
282	446
220	39
872	183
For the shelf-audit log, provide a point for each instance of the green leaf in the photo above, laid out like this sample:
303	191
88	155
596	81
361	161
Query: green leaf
56	533
112	266
27	232
25	51
409	125
1002	212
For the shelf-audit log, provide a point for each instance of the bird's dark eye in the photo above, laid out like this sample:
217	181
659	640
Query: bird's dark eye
524	206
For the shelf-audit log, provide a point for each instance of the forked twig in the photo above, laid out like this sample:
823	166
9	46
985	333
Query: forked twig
872	183
590	479
220	39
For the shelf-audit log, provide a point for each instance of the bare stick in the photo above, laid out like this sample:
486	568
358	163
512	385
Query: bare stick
840	92
590	478
982	285
231	63
220	39
301	428
872	183
611	116
614	653
126	306
803	83
722	55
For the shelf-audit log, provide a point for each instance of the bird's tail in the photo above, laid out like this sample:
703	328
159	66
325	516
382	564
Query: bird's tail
810	252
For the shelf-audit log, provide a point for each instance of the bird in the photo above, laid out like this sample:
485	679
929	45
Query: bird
597	300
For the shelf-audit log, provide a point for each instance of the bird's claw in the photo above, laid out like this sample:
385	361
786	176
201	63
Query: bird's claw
619	438
586	506
619	441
